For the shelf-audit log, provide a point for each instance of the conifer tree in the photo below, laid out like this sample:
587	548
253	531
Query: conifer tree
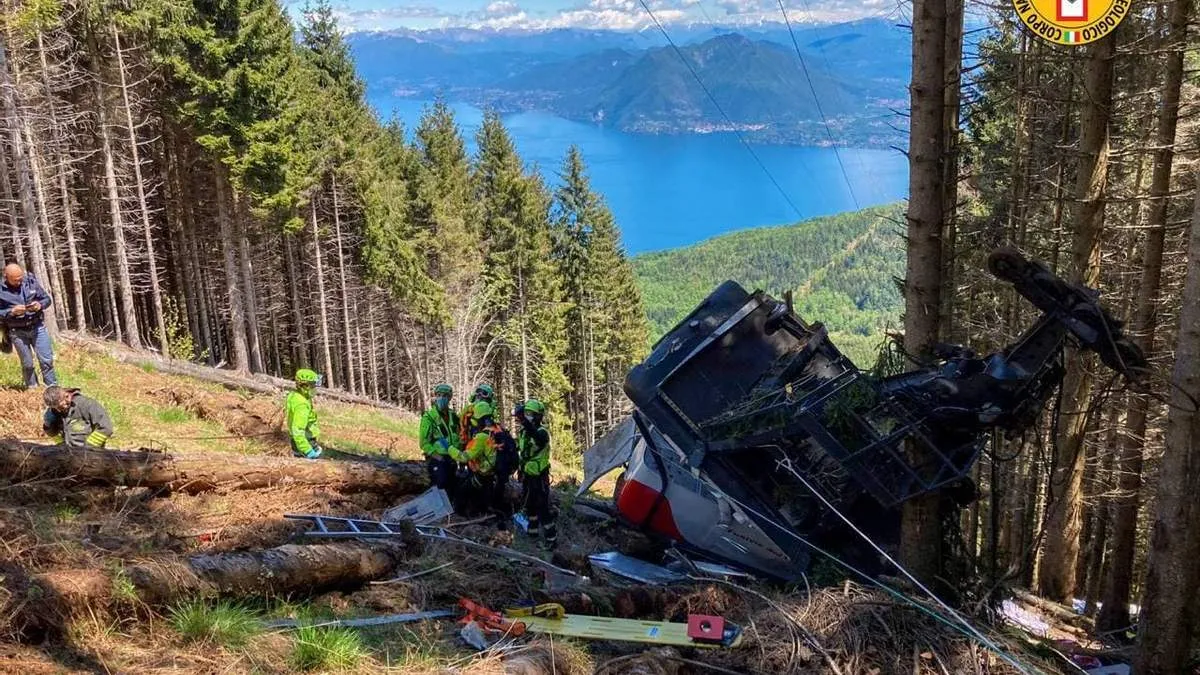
442	206
606	324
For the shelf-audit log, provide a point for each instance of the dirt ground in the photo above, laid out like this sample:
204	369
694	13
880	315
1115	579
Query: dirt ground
53	525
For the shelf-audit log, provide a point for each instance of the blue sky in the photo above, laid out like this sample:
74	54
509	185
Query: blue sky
360	15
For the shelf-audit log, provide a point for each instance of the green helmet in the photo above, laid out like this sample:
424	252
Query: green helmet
443	390
535	406
483	409
484	392
306	376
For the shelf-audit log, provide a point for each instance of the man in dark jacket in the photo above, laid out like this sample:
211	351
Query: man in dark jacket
23	305
82	421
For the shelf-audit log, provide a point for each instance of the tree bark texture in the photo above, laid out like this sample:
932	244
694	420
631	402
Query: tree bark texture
1065	522
1169	609
1114	612
54	597
194	473
921	532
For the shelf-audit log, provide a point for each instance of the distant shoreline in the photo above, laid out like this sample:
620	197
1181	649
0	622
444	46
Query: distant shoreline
754	133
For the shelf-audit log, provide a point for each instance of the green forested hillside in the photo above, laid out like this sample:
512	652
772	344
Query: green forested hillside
841	269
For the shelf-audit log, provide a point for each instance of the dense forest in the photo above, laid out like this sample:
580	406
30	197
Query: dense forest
841	269
207	180
1085	158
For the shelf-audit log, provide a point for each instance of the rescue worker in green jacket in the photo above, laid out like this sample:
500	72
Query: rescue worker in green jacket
487	455
483	392
533	448
440	440
302	416
81	420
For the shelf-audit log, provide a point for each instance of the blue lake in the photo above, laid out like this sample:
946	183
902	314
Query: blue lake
670	191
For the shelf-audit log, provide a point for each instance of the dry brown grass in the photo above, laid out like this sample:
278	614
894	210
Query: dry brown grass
183	414
47	527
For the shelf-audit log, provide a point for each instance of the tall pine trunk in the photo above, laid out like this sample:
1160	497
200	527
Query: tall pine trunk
291	268
246	267
921	532
237	317
322	298
160	323
120	250
6	192
1057	574
348	371
53	279
25	178
75	308
1114	612
1169	613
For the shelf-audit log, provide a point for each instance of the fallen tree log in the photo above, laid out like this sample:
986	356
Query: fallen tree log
257	382
1059	612
52	598
193	473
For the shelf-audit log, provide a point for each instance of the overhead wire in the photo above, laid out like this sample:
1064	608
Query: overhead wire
958	624
817	100
691	69
786	464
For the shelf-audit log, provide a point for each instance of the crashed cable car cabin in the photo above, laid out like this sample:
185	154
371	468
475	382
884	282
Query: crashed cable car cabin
743	398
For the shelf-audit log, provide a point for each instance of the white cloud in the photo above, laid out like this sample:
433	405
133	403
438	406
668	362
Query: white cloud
595	14
741	6
386	18
502	8
623	15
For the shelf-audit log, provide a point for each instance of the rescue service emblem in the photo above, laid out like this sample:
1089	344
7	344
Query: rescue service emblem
1071	22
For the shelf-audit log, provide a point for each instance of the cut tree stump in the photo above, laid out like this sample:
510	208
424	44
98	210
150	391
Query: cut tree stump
196	472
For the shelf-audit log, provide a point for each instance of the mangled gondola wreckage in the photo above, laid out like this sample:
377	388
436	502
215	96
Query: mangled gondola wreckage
743	397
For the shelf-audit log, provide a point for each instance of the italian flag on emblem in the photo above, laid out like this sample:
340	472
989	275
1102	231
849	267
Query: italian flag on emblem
1070	37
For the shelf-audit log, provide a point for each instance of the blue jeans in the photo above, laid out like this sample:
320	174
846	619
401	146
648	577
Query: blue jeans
31	341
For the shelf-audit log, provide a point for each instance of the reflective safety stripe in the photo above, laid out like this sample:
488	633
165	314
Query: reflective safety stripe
481	453
530	453
96	439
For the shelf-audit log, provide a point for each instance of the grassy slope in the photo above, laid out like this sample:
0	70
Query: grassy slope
841	267
152	409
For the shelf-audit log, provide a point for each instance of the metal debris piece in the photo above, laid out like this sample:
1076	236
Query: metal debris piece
719	570
558	583
611	451
699	567
430	507
637	570
414	575
1116	669
332	527
368	621
352	528
472	634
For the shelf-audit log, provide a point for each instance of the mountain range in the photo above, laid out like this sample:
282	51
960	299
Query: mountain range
636	82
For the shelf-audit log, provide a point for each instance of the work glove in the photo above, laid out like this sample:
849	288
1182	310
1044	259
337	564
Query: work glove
445	443
313	452
457	454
